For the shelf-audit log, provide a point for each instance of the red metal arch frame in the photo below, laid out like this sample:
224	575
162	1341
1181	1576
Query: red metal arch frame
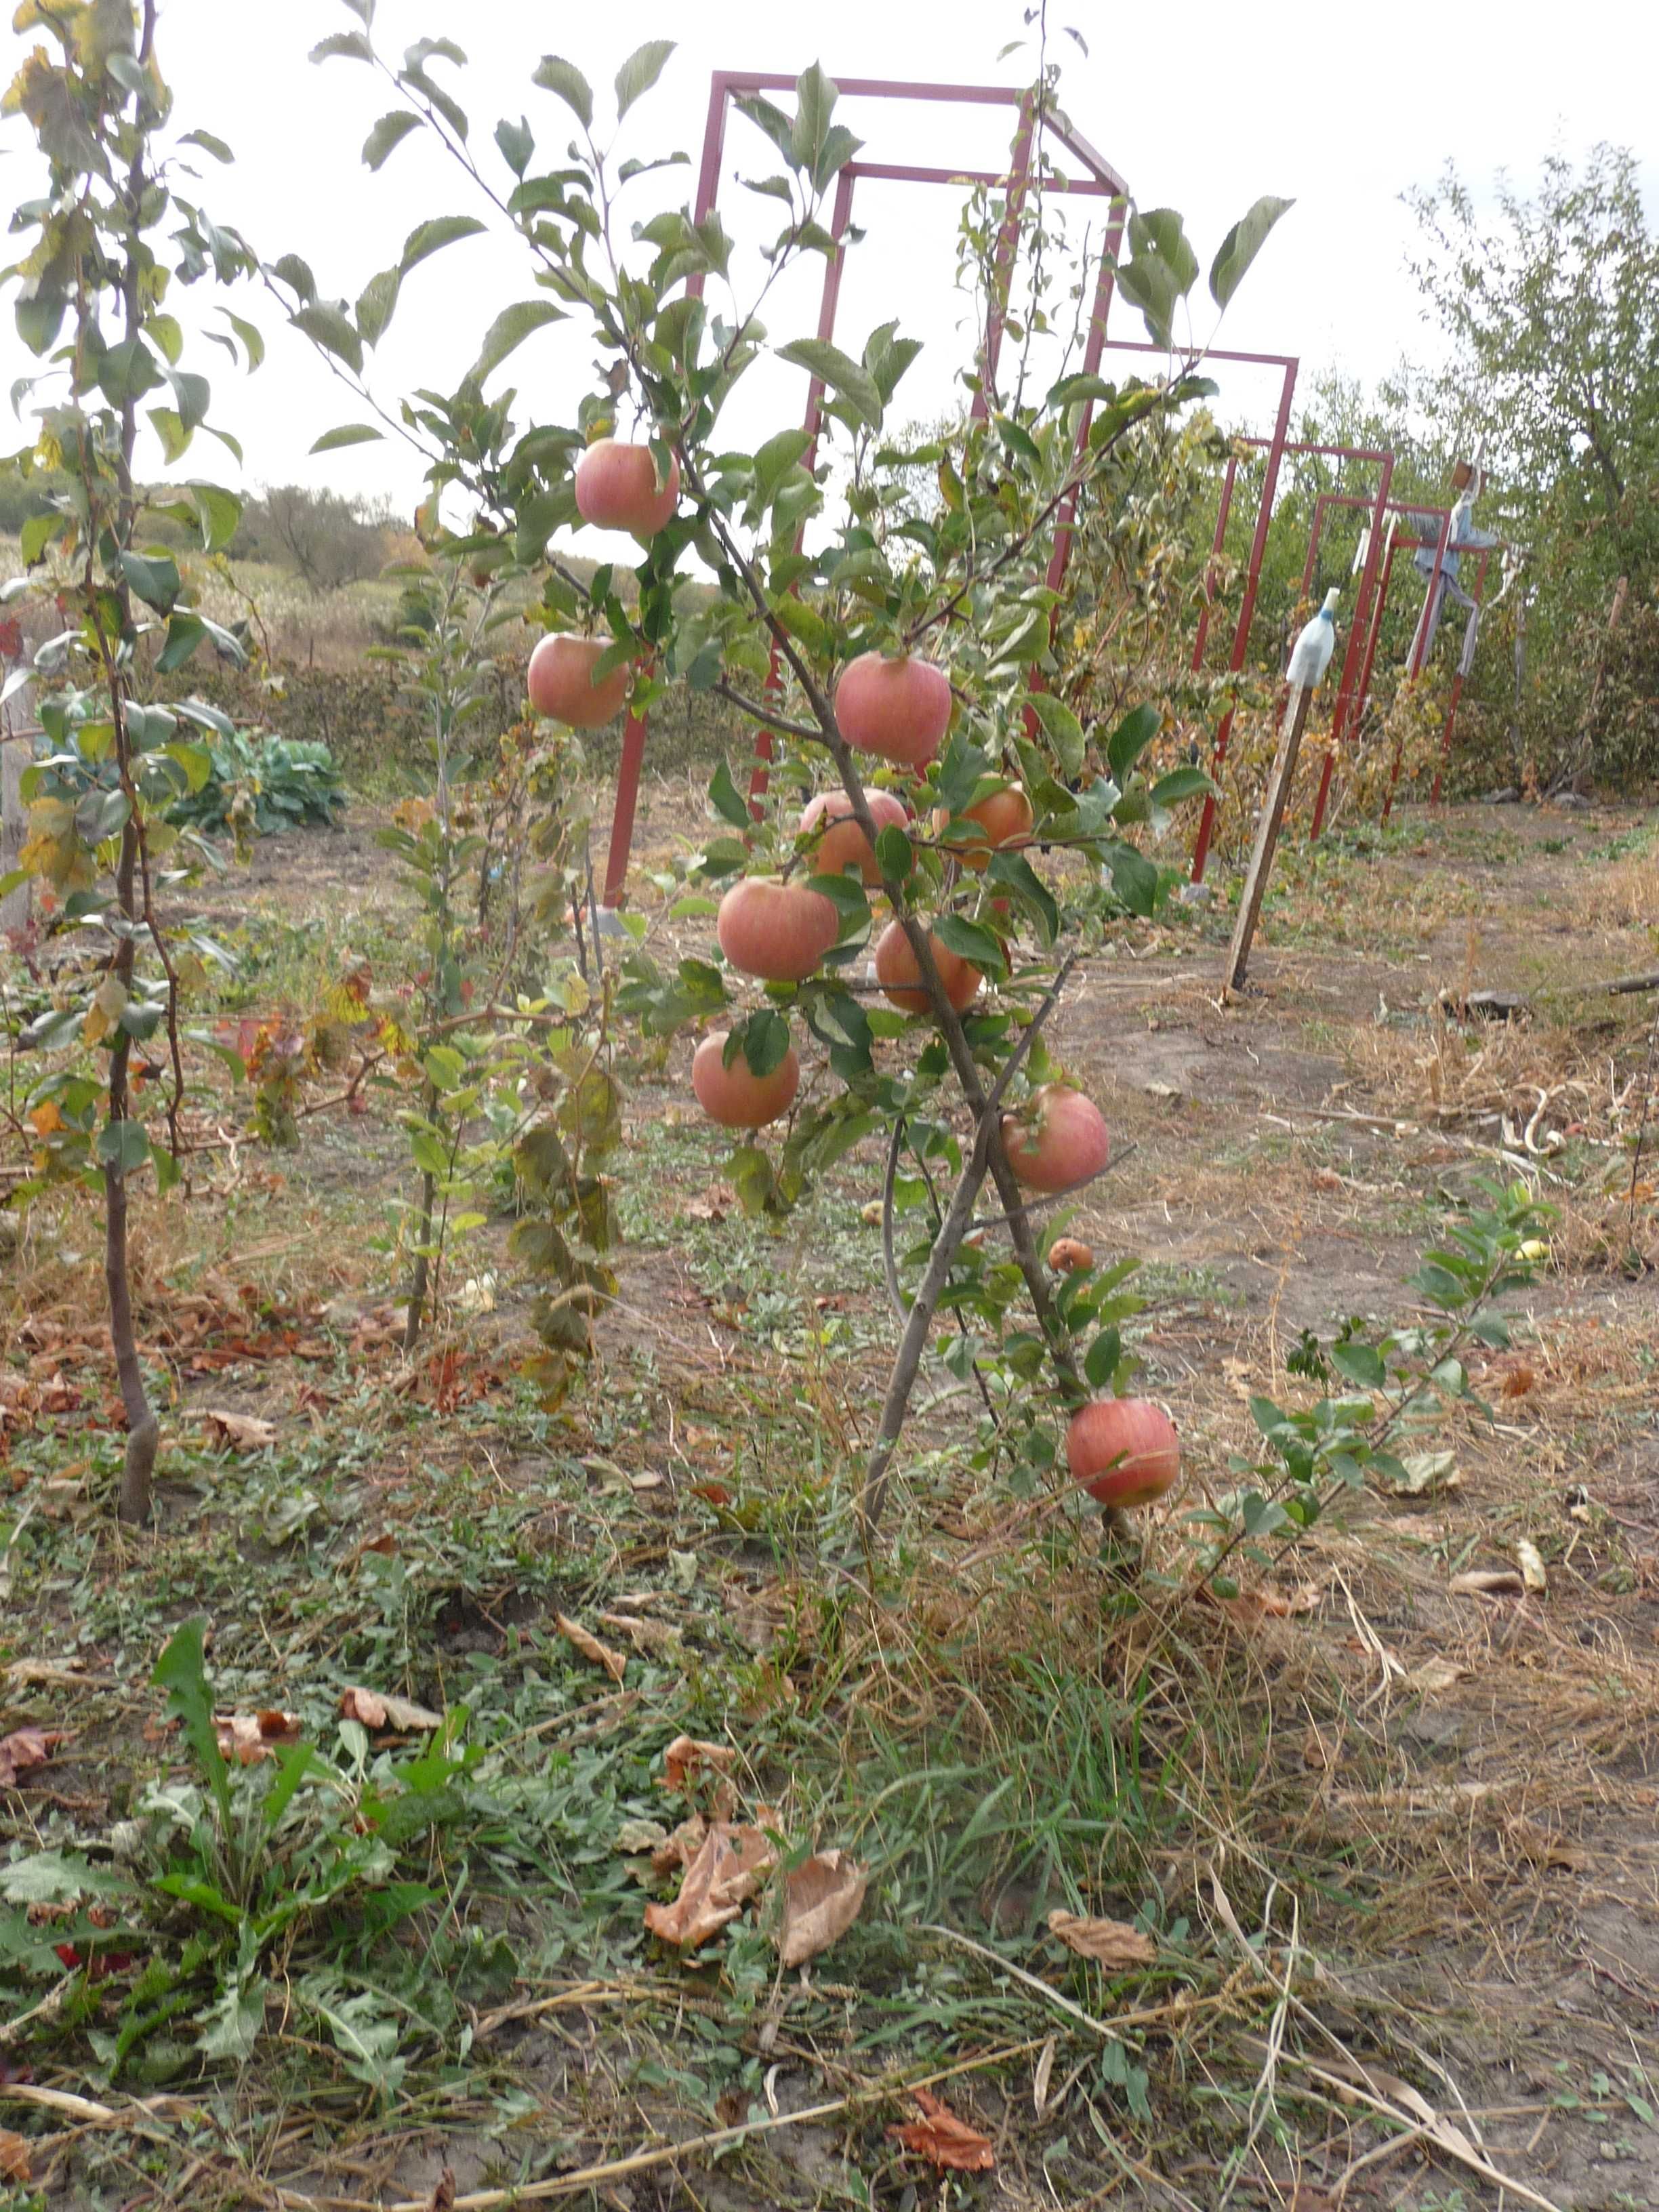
1102	182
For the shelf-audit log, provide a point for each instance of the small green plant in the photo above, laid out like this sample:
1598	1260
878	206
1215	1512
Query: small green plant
1401	1382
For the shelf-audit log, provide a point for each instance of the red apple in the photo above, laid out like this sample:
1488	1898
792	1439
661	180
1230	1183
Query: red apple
1003	818
736	1096
617	488
843	844
562	686
1057	1139
779	931
899	972
898	708
1124	1451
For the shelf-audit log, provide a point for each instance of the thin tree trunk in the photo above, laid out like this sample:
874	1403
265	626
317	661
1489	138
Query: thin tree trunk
144	1430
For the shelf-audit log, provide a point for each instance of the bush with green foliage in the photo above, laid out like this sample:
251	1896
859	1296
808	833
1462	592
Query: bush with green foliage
264	783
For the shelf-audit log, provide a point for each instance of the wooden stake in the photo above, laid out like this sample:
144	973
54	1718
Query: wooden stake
1273	802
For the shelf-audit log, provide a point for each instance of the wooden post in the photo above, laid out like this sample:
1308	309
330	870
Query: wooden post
1273	802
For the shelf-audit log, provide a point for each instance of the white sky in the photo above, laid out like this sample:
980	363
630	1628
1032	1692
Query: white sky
1200	106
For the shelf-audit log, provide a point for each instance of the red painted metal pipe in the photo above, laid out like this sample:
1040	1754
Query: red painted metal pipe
1344	692
1247	610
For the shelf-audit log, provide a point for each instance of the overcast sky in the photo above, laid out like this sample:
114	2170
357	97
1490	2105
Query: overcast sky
1200	106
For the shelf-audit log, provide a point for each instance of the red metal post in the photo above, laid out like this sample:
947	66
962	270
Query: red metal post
1356	631
1247	611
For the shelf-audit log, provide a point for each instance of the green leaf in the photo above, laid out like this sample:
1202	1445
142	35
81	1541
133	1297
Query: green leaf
185	633
1014	873
327	325
556	75
40	317
1241	246
815	102
429	238
1181	783
775	461
844	376
37	533
124	1147
639	72
1063	729
254	344
388	133
1134	878
351	46
154	577
375	304
1103	1359
1159	231
348	433
1131	739
895	854
509	329
518	143
296	275
169	427
1361	1363
764	1041
208	144
972	941
726	799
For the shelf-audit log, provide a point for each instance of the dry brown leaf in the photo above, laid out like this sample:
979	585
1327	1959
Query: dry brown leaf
1316	1752
1488	1582
239	1431
1111	1943
681	1847
1531	1560
246	1738
443	2199
943	2140
53	1674
683	1757
1518	1381
13	2157
649	1635
375	1709
1042	2075
725	1875
822	1898
25	1747
591	1648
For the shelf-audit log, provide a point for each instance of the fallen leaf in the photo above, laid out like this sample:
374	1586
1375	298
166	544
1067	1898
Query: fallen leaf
1518	1381
1111	1943
1489	1581
13	2157
681	1847
24	1748
1531	1562
55	1673
1041	2077
375	1709
822	1898
650	1634
635	1836
1426	1473
943	2140
1316	1752
683	1758
591	1648
246	1738
239	1432
1434	1675
726	1873
443	2199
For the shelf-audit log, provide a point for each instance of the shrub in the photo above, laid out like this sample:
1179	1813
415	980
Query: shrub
262	783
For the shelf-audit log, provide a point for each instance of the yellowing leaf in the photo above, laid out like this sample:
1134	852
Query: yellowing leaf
239	1431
